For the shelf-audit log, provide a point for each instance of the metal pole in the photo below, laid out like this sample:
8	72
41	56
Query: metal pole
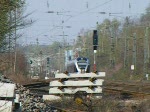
59	60
94	66
125	51
112	47
146	45
10	44
126	55
15	55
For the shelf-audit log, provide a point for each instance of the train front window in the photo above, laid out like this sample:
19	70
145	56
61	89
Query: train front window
82	65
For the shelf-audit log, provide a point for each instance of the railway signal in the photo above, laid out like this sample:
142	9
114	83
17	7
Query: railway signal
48	60
95	44
95	40
31	61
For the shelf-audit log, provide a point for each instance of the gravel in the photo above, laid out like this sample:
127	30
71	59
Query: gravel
32	102
29	102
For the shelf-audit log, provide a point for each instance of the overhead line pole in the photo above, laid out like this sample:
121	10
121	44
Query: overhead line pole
112	53
126	54
146	51
15	55
9	45
134	50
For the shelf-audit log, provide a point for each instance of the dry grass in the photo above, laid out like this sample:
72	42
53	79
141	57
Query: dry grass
19	78
106	105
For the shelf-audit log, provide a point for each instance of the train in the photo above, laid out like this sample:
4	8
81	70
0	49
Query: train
80	65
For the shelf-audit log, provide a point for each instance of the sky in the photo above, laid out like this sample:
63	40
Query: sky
69	17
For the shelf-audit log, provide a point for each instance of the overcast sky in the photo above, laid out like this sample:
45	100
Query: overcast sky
74	15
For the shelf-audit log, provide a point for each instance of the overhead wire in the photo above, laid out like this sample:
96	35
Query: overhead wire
76	16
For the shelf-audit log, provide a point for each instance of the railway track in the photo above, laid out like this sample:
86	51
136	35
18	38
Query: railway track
58	109
119	89
39	88
37	85
127	89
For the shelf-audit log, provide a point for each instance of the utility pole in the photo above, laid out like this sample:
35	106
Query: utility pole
60	58
146	51
10	44
112	48
133	66
15	50
126	54
134	50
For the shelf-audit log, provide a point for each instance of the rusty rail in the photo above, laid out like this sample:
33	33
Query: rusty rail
131	89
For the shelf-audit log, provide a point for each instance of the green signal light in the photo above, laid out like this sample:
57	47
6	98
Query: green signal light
31	62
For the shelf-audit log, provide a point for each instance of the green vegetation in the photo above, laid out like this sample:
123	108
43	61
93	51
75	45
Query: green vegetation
121	44
11	20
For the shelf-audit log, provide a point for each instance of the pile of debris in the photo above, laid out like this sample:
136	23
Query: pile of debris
31	102
24	100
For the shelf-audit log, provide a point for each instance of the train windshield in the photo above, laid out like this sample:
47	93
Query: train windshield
82	65
81	59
